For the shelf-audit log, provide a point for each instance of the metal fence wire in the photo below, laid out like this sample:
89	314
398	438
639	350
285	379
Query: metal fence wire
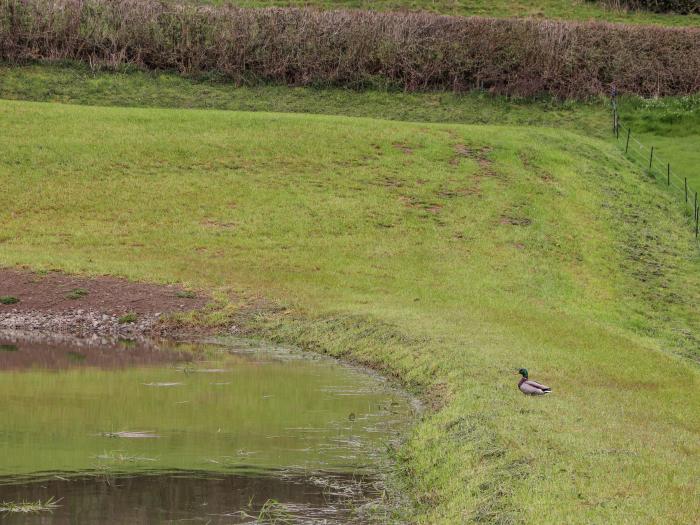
656	167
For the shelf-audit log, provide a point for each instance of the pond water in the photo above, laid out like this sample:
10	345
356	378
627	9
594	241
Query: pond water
128	433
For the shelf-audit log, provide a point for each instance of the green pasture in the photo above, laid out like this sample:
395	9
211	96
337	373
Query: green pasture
447	255
671	125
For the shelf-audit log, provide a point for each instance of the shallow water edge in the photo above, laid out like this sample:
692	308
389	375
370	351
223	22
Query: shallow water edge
159	430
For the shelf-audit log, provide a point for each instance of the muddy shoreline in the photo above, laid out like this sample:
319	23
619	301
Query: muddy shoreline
81	323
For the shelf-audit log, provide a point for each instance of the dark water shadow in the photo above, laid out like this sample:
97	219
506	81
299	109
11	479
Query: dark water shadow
192	497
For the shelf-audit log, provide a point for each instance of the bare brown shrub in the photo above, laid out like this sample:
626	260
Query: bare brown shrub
411	51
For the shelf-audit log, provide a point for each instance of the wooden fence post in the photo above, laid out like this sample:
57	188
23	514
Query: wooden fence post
651	159
629	131
668	169
686	189
614	119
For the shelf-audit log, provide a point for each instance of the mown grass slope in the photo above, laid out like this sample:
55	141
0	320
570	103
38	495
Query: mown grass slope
447	255
671	124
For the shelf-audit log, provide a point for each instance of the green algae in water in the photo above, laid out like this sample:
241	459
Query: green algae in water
236	413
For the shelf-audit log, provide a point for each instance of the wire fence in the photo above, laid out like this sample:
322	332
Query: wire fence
656	166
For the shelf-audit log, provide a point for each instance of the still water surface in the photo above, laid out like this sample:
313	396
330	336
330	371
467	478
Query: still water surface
125	433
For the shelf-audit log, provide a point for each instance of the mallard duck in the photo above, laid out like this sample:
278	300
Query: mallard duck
529	387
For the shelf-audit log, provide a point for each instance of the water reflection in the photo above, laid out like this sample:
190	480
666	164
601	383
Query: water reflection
18	351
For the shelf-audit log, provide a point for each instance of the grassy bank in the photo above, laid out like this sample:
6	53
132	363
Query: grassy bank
404	50
683	7
447	255
556	9
671	125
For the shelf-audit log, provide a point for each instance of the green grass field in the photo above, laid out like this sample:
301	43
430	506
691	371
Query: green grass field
448	255
562	9
671	125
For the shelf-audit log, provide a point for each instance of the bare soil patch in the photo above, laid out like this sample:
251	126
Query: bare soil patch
480	155
411	202
404	147
461	192
106	306
516	221
49	293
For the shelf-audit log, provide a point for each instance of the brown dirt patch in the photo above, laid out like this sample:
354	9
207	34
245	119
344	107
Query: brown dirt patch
218	225
544	175
48	293
516	221
473	153
480	155
430	207
403	147
460	192
389	182
438	396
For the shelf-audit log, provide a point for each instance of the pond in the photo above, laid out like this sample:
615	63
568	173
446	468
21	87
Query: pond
219	433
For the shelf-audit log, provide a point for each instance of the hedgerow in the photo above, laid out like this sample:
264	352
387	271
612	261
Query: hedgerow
410	51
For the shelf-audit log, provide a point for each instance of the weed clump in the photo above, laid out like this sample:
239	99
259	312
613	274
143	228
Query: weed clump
128	318
8	299
29	507
77	293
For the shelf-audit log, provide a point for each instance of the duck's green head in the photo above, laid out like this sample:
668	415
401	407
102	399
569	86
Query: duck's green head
523	372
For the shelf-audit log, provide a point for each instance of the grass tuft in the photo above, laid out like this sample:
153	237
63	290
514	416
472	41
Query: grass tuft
272	512
77	293
30	507
8	299
128	318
